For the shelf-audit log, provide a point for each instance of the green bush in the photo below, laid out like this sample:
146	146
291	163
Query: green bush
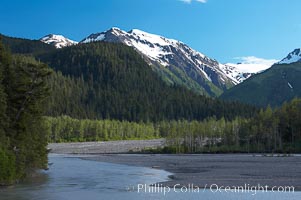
7	167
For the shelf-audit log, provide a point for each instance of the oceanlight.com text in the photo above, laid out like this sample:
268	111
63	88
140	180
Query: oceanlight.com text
214	188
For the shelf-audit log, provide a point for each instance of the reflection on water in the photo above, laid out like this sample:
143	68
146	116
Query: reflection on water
71	178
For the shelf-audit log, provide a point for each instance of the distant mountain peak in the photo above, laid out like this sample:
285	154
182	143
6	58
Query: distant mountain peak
58	41
294	56
114	28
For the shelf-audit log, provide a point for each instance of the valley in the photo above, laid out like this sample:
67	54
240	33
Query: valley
125	92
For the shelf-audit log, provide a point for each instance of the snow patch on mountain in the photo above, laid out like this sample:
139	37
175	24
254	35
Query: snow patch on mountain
98	37
58	41
152	38
294	56
289	85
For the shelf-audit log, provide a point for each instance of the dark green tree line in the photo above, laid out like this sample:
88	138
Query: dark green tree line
67	129
269	131
23	92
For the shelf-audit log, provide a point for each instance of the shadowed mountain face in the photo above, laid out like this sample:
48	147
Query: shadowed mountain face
280	83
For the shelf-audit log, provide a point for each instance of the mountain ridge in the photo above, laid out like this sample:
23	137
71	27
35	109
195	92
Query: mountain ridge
294	56
174	59
177	63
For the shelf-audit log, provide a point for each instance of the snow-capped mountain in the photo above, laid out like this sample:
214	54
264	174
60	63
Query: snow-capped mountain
294	56
174	60
234	71
58	41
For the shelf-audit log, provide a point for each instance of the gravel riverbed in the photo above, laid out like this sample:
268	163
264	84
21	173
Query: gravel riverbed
202	170
123	146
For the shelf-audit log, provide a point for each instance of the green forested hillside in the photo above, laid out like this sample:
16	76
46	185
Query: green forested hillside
23	92
273	87
112	81
25	46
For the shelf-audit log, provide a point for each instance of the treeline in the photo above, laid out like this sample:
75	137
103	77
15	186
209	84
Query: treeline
23	92
112	81
270	131
67	129
277	130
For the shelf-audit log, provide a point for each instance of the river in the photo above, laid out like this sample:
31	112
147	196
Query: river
72	178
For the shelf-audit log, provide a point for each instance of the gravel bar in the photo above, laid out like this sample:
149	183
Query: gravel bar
205	170
123	146
202	170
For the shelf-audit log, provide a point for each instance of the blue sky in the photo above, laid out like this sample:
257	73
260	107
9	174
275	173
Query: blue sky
221	29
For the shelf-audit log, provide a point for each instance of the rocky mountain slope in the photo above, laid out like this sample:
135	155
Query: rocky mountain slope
294	56
174	61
